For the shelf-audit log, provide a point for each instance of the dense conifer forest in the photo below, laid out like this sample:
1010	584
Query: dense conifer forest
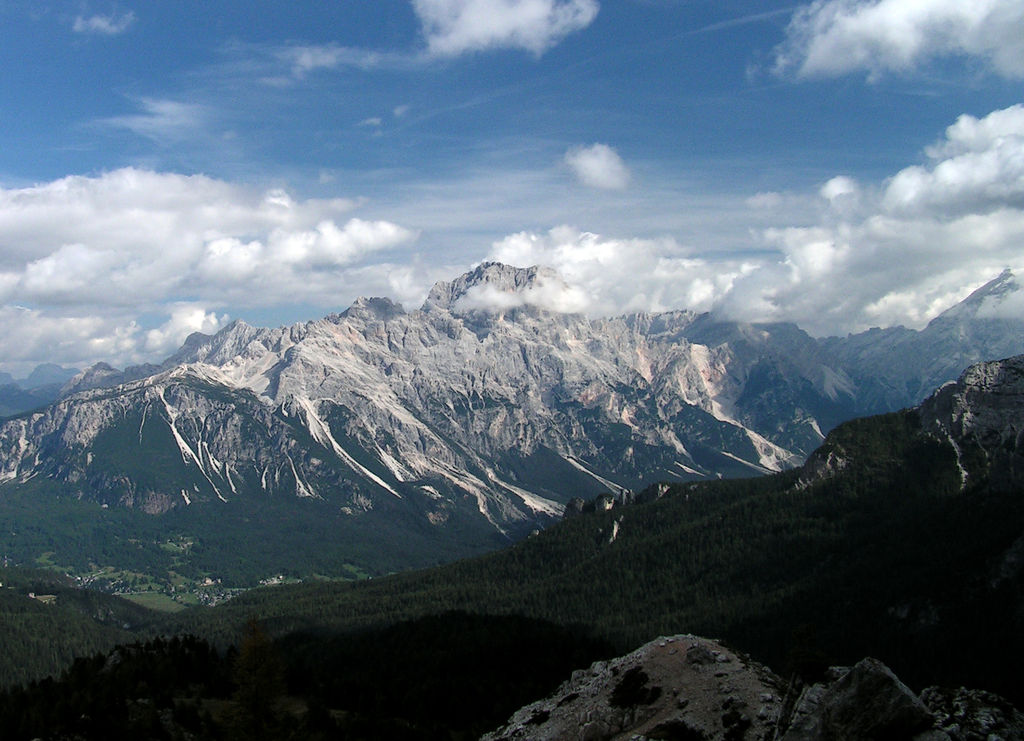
447	677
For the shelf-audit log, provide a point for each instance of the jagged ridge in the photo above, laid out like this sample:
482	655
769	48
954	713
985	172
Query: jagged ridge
487	404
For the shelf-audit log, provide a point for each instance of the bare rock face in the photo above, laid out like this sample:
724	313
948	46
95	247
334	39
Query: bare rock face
694	689
866	702
489	408
677	687
964	715
982	416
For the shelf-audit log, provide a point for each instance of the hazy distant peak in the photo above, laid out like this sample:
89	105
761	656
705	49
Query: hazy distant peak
1001	297
48	373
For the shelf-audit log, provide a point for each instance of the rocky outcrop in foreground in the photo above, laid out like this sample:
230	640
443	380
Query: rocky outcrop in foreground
686	687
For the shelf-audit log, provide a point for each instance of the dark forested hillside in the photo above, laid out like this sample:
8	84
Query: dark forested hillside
45	621
870	549
448	677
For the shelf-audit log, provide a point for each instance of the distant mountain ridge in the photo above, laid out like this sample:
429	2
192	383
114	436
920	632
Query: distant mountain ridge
41	387
480	414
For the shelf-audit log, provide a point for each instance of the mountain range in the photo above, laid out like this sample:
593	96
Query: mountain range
41	387
410	438
899	538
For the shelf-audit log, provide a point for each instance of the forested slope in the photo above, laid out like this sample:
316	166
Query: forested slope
870	549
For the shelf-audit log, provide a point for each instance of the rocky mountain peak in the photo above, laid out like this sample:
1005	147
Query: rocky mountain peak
679	686
688	687
494	287
989	301
980	414
95	376
48	374
375	308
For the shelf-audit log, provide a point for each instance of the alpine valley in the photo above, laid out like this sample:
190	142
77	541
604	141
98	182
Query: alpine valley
381	439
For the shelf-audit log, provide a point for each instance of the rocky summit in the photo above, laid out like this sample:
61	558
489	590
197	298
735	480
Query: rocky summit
693	688
482	412
982	417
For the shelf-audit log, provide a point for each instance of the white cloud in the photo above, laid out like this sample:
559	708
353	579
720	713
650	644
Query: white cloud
978	167
30	336
107	25
1008	306
901	250
185	319
837	37
550	295
839	187
611	276
453	27
765	200
598	166
304	59
102	252
896	251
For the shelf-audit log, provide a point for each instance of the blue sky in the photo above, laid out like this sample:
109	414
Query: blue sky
167	166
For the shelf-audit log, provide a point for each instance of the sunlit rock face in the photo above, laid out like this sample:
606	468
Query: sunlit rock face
982	416
493	404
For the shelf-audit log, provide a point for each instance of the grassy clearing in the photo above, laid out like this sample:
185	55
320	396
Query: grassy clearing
155	601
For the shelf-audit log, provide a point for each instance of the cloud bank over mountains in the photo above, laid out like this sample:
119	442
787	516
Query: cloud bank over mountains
84	259
879	254
287	171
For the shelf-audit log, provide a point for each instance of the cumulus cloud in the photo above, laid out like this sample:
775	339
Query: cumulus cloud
106	25
598	166
612	276
837	37
978	167
839	187
133	243
453	27
185	319
860	254
900	251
